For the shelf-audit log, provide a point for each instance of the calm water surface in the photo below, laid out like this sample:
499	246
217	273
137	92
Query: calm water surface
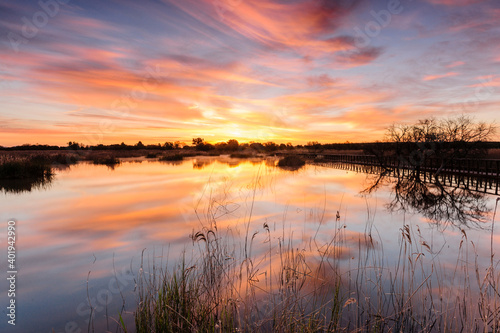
81	238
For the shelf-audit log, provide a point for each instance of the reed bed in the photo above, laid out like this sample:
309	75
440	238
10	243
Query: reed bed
21	168
24	173
152	155
110	161
291	161
272	281
174	157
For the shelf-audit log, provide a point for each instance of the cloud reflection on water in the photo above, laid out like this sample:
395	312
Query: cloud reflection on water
93	216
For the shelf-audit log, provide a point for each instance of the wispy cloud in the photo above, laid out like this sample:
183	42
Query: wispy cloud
455	2
439	76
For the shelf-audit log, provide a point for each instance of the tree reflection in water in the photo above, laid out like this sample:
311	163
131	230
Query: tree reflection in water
427	195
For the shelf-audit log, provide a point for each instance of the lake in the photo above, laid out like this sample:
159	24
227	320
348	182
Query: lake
82	237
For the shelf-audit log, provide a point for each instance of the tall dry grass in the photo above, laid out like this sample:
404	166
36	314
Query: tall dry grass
281	284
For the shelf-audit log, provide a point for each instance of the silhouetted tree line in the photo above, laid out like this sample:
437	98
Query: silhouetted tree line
233	145
32	147
447	138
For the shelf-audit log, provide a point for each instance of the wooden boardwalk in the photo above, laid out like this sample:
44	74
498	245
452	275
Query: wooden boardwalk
480	175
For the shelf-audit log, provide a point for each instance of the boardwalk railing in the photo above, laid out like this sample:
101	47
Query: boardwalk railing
476	174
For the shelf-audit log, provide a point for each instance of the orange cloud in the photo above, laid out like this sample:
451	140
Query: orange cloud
487	81
435	77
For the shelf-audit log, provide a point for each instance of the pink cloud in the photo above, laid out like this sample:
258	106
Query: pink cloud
487	81
358	57
301	25
455	2
439	76
455	64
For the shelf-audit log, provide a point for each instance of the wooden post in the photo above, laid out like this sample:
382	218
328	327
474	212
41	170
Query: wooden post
468	173
497	178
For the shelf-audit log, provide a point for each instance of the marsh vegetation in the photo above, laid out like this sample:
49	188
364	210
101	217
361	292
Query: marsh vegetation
292	162
316	286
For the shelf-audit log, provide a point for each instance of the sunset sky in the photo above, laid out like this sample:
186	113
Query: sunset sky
256	70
